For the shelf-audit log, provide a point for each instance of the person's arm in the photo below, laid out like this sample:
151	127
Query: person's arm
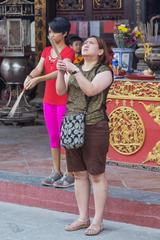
34	77
51	75
100	82
62	78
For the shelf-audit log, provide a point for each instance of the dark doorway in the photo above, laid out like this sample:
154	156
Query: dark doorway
152	8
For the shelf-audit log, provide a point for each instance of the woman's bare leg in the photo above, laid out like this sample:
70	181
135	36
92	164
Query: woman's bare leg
99	185
82	193
56	159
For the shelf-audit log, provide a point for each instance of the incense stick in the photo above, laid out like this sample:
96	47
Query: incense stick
156	31
16	104
55	48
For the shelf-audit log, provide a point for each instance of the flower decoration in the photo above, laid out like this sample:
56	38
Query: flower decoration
125	37
78	60
147	51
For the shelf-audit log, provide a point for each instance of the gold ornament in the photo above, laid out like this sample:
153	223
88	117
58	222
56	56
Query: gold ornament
139	90
127	132
154	155
147	51
154	111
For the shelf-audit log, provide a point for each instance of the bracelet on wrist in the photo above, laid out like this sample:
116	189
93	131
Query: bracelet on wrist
76	71
29	75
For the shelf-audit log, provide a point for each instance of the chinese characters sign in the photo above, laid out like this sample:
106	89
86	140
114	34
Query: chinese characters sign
40	26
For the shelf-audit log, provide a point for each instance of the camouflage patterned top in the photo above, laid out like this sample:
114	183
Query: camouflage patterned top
77	99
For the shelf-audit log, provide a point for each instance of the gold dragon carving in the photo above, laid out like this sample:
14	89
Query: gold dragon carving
135	90
127	132
154	155
154	111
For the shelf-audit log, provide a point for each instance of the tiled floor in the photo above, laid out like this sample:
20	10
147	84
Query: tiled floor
25	149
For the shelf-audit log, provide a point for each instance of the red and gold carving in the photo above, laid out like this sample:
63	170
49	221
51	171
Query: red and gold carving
135	91
154	111
133	107
154	155
127	131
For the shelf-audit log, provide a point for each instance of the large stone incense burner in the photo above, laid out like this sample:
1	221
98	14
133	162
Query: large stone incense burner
14	70
16	53
153	59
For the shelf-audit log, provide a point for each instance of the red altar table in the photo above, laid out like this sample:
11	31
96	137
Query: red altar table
133	107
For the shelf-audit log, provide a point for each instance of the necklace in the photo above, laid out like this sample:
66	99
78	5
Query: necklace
52	58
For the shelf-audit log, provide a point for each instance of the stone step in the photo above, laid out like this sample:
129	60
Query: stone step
123	205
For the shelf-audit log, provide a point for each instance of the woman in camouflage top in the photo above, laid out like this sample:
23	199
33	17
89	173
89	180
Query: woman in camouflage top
93	78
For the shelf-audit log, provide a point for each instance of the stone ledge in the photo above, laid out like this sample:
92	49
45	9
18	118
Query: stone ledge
124	205
114	192
133	166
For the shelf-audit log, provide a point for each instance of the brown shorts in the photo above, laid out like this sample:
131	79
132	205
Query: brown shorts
92	156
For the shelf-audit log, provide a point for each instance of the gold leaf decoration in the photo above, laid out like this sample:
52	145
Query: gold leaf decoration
127	132
154	111
154	155
135	90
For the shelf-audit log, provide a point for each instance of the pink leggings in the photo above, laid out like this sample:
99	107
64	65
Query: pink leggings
53	115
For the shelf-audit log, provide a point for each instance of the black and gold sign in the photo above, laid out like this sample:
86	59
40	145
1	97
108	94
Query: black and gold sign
107	4
40	26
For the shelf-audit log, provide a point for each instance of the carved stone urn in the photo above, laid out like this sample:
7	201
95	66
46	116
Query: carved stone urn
139	53
153	60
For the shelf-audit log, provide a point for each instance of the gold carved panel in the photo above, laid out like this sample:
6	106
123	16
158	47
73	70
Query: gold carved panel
154	155
107	4
40	26
135	90
127	132
67	5
154	111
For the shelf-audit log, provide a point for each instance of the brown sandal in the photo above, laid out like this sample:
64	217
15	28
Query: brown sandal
77	225
94	229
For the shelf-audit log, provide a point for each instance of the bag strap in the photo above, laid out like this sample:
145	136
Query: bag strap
88	99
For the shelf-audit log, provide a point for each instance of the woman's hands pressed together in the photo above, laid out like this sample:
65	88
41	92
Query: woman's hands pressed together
66	66
61	66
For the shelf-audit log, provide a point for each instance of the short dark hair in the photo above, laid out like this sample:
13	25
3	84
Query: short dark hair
60	25
72	38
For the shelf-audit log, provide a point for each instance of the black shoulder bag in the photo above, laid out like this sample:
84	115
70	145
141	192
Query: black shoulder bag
73	129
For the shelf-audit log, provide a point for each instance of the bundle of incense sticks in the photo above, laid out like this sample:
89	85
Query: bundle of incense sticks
16	104
150	31
55	48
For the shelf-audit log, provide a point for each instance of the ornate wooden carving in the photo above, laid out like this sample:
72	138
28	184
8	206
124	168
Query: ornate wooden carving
107	4
67	5
127	132
138	12
40	26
